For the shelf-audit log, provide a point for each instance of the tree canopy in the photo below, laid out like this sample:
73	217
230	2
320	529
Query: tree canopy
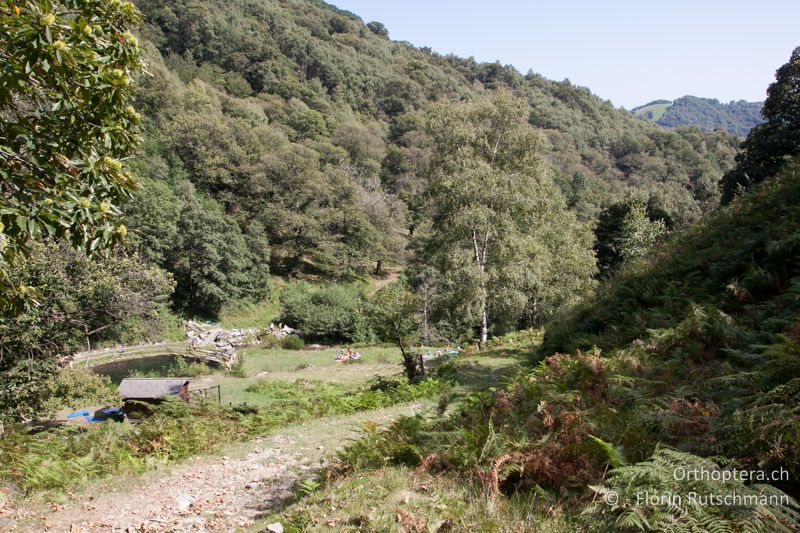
304	125
67	124
769	145
735	117
394	315
80	300
501	233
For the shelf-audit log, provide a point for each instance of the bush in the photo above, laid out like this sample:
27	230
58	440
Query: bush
293	343
269	341
237	370
180	368
328	314
77	387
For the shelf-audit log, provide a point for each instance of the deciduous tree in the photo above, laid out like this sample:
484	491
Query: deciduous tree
769	145
394	315
66	124
501	232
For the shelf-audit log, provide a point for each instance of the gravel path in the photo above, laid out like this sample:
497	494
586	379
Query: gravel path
209	493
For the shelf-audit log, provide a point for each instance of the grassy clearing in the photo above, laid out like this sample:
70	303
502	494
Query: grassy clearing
251	315
289	366
657	111
467	372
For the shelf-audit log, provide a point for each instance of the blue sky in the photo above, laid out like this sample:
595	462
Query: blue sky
626	51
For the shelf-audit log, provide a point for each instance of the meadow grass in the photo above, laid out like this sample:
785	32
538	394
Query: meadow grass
251	315
289	366
398	498
658	111
469	372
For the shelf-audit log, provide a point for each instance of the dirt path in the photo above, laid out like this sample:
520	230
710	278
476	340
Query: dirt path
210	493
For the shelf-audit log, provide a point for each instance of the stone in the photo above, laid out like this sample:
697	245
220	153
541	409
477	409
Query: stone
275	528
183	502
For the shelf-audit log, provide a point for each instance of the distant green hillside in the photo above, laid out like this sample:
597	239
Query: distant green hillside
652	111
708	114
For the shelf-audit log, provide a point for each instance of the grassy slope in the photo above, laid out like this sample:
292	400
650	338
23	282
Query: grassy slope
658	111
742	260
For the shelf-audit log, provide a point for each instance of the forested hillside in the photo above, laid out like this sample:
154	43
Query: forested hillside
685	360
293	135
735	117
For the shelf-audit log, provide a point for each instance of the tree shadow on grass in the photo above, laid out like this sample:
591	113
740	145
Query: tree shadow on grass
479	371
40	426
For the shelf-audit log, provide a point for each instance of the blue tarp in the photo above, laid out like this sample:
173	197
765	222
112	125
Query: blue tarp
76	414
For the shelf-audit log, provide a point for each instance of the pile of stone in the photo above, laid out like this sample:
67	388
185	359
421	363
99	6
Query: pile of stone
281	330
218	344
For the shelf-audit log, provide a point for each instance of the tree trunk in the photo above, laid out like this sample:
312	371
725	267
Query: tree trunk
484	323
480	262
378	267
409	365
86	334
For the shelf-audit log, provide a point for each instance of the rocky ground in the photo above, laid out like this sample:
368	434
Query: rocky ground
221	493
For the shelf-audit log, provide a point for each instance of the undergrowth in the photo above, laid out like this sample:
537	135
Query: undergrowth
60	458
180	368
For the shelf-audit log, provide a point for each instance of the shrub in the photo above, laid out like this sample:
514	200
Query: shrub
293	343
237	370
76	387
329	314
269	341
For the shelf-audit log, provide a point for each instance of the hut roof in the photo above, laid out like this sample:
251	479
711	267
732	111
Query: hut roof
151	388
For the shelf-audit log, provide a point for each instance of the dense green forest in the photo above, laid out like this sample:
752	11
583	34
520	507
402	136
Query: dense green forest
735	117
299	134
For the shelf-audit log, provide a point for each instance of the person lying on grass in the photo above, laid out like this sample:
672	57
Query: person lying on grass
347	356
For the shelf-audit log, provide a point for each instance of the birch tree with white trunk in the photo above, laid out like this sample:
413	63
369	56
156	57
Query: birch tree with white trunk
501	233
